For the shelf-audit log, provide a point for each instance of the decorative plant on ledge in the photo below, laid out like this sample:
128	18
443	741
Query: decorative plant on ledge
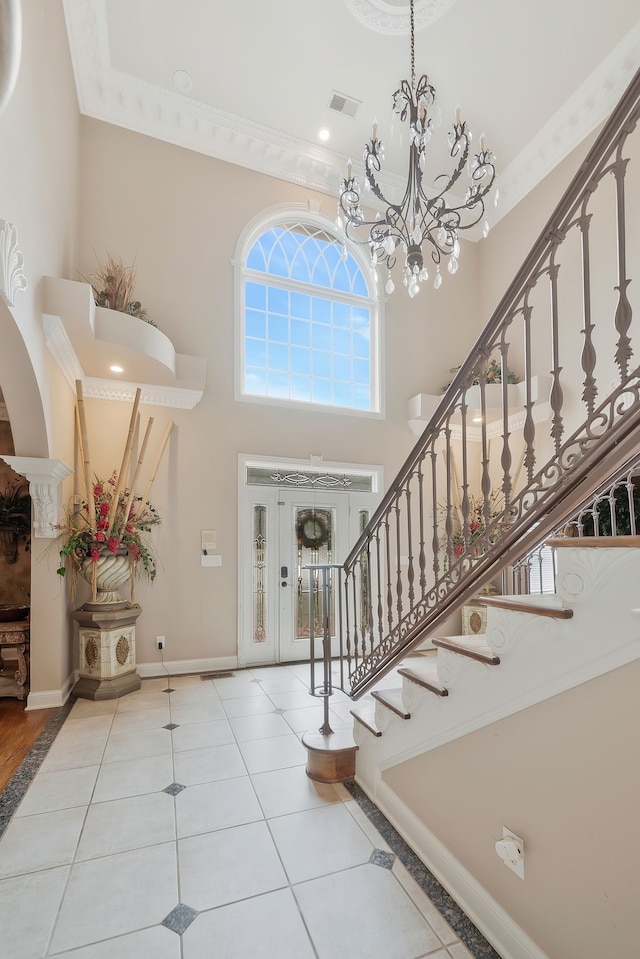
113	284
492	374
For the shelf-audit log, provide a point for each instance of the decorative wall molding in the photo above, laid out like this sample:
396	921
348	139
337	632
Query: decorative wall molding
45	488
12	277
115	97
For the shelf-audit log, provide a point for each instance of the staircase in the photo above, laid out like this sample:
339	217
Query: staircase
534	647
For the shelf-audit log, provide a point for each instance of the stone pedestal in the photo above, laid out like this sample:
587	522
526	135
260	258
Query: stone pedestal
107	661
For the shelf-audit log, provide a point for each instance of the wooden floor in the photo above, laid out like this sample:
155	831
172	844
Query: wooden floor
18	732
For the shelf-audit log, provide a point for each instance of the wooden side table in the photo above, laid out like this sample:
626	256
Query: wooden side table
16	636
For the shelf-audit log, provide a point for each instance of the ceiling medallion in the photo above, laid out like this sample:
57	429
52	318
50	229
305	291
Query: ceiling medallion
392	16
435	219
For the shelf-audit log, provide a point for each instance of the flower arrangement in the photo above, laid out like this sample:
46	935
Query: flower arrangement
112	519
116	529
477	525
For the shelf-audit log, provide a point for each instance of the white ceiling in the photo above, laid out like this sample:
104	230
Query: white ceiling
535	77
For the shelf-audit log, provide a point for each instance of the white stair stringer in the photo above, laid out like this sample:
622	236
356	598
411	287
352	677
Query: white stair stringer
539	658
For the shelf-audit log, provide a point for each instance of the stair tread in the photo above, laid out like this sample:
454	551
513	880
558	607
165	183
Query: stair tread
528	604
392	699
424	673
364	713
475	647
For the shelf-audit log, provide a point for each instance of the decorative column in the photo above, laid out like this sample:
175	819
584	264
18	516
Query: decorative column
107	660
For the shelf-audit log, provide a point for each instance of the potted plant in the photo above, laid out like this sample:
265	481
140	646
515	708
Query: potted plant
113	284
15	518
106	543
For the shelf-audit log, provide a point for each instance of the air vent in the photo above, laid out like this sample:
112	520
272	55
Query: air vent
341	103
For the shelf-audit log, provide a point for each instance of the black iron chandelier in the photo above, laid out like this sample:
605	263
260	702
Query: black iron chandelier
423	226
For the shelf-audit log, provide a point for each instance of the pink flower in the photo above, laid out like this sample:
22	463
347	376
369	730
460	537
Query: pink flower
134	551
104	509
100	536
129	528
97	490
459	550
474	527
95	554
113	544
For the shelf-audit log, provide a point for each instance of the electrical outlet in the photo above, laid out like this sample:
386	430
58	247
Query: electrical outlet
159	642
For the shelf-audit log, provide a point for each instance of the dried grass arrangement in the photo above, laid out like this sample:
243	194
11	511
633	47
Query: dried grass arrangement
112	518
113	284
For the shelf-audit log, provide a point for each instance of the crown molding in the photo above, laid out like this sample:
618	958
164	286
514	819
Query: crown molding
115	97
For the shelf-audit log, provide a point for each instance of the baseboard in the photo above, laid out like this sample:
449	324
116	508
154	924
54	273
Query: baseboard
507	938
178	667
51	698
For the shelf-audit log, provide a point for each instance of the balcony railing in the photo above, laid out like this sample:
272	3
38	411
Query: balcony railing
489	479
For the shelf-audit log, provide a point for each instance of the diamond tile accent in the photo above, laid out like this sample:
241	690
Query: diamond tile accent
171	726
381	858
174	789
180	918
168	690
279	712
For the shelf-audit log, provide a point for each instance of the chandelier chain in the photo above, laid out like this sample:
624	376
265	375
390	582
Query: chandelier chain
413	53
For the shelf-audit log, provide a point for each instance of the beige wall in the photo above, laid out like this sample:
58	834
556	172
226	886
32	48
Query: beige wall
179	215
562	775
38	194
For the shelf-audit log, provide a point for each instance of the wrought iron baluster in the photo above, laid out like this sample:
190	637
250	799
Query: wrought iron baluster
556	397
410	570
422	561
529	429
588	358
505	459
380	593
398	558
435	539
389	588
485	480
624	351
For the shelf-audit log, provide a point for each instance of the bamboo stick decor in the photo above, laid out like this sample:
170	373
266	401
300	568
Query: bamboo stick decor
165	440
84	445
141	455
126	459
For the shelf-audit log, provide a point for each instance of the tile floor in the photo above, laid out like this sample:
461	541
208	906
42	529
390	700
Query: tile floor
181	825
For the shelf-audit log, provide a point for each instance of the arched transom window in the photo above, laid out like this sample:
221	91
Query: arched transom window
308	320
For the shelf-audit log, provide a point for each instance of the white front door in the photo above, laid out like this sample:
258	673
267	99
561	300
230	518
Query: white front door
283	531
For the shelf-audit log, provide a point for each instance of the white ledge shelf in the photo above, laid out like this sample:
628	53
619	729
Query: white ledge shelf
422	407
85	340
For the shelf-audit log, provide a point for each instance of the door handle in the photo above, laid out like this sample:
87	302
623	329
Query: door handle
284	572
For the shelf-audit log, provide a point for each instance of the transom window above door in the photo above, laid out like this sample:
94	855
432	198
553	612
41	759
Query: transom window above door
308	323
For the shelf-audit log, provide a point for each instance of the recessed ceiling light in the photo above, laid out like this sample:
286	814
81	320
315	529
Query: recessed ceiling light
116	369
324	134
477	419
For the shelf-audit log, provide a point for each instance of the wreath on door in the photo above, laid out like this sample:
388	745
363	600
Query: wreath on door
312	529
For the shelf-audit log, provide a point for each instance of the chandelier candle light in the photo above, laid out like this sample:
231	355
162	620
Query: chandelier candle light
419	218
